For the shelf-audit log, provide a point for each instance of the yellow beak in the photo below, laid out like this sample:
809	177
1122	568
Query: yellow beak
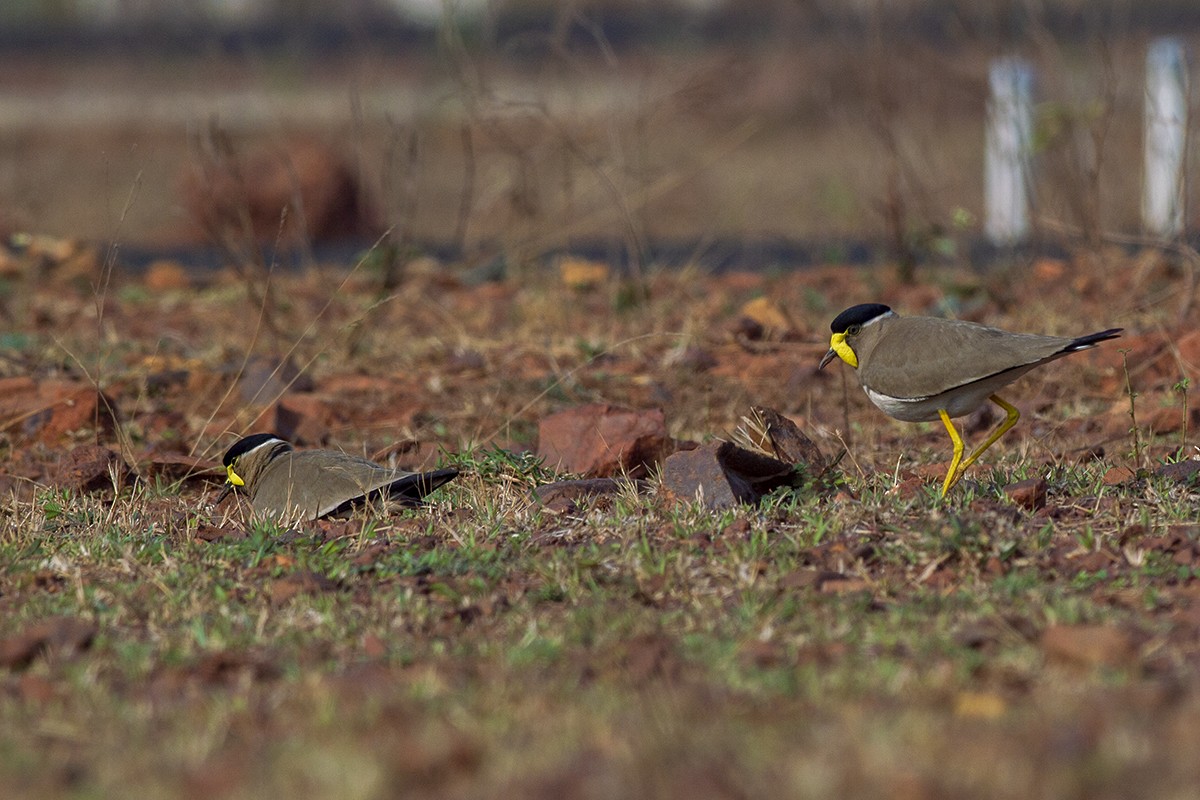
234	478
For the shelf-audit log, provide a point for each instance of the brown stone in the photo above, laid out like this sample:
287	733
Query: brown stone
768	314
265	379
300	582
844	585
411	455
1180	472
1171	419
909	488
293	192
600	440
699	475
1188	352
1028	494
172	467
51	410
1088	645
722	475
809	579
789	443
1118	475
229	667
92	468
214	533
73	409
165	276
65	635
302	419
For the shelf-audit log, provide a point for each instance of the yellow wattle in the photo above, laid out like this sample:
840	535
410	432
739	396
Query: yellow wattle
234	478
837	343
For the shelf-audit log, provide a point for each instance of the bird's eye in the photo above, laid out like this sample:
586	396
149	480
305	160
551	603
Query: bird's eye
853	330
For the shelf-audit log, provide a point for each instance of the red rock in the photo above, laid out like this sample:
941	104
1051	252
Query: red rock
909	488
164	276
307	185
284	589
1028	494
699	475
1170	419
91	468
1088	645
600	440
1118	475
76	409
302	419
373	646
36	689
48	411
230	667
809	579
844	585
66	635
16	385
265	379
722	475
1181	471
1188	348
788	443
179	467
214	533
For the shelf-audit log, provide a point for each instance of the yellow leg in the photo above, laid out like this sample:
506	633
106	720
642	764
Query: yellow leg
1013	416
954	472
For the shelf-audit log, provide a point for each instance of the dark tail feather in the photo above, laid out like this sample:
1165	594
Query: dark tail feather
415	487
409	490
1092	339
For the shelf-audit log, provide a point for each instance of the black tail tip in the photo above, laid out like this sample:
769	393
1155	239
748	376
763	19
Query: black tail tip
1093	339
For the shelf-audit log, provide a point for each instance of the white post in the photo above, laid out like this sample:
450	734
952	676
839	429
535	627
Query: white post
1007	157
1166	138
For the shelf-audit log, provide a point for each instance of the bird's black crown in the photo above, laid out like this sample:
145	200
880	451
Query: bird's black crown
246	444
857	315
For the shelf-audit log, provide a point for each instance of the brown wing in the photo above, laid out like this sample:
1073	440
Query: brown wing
311	483
915	357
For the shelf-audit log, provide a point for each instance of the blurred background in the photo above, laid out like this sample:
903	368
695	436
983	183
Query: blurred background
527	126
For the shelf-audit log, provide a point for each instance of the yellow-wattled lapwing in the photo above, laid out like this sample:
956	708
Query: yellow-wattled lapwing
919	369
290	485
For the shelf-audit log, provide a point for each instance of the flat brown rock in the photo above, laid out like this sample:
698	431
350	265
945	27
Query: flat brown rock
1088	645
722	474
302	419
789	443
92	468
67	635
1181	471
179	467
300	582
265	379
599	440
51	410
1028	494
1118	475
